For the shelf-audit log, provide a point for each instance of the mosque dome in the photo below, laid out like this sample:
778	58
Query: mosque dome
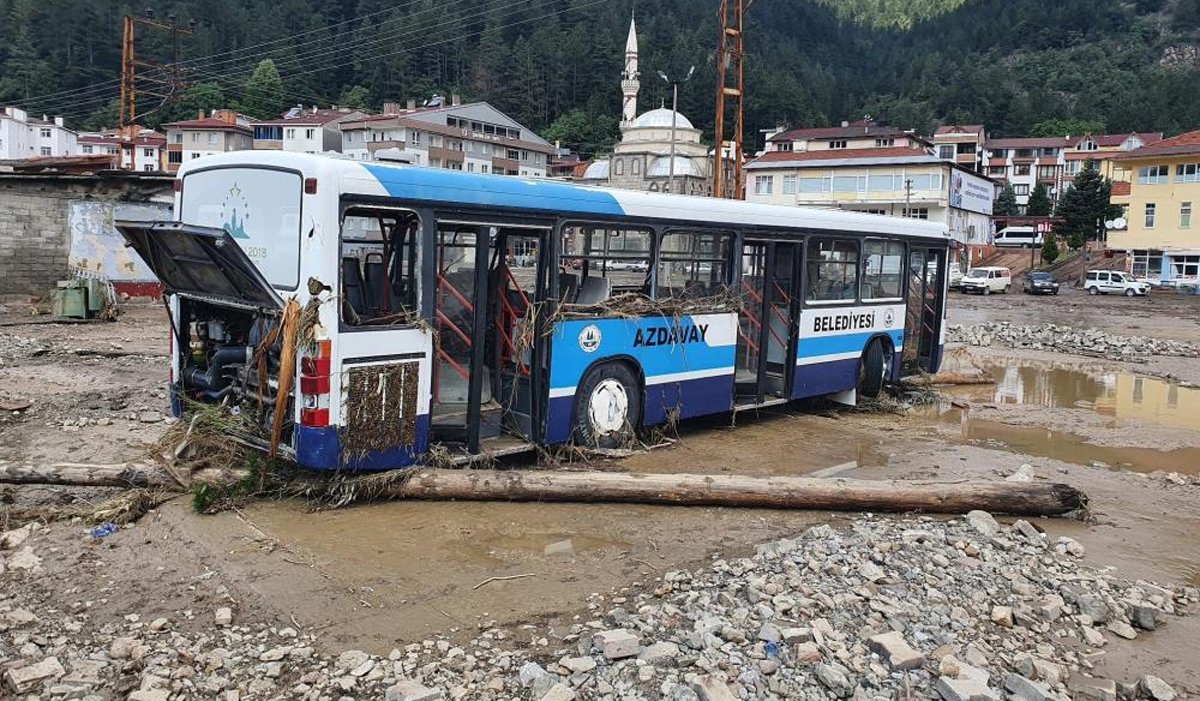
661	118
598	170
661	167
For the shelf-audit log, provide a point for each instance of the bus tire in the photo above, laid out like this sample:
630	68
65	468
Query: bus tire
608	407
871	370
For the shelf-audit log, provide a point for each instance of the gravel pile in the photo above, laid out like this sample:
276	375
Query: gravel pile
14	348
1067	339
888	608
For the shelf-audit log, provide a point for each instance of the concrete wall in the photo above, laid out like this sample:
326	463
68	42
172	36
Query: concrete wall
35	222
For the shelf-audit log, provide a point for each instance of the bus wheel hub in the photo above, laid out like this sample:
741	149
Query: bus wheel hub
608	407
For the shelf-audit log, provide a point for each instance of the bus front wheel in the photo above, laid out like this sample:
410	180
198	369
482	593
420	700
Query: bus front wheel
872	370
608	405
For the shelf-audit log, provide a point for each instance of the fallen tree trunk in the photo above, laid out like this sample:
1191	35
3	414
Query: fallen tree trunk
1025	499
83	475
958	378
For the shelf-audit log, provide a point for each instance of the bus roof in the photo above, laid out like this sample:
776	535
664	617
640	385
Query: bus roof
436	185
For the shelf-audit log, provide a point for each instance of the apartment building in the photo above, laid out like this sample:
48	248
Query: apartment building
223	131
1158	185
304	130
22	137
148	153
473	137
961	144
850	136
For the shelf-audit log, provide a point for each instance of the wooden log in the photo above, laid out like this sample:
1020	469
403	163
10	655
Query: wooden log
958	378
1024	499
83	475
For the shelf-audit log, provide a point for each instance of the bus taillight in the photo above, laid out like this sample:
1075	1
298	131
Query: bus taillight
314	386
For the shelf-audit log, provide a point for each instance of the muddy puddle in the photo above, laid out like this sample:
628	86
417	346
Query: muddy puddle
1123	399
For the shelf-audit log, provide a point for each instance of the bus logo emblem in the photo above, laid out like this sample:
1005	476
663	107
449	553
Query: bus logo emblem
889	318
589	338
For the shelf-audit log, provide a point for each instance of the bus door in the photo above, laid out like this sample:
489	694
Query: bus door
489	281
923	308
767	323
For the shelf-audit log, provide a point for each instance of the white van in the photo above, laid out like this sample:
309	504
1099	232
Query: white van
1018	237
1098	282
987	280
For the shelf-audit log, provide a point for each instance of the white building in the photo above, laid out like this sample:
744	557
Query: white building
659	151
222	132
22	137
474	137
148	153
304	130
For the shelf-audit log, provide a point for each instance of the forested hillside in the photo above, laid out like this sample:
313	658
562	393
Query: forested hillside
1011	64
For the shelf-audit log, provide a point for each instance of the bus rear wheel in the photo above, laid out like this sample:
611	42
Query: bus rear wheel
608	406
873	370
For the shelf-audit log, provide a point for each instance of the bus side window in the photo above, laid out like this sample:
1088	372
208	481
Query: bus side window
599	261
881	269
378	259
693	264
832	270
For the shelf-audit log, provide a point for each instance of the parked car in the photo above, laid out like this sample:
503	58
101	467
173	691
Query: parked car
1103	282
987	280
1039	283
956	276
1018	237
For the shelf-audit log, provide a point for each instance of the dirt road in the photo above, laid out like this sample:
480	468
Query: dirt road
380	576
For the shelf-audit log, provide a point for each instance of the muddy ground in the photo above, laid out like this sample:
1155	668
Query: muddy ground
372	577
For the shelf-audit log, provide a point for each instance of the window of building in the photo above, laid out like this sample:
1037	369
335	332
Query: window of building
310	133
618	166
996	171
946	152
148	152
1185	215
875	210
46	151
924	183
524	155
1150	214
45	132
512	154
1147	264
881	269
1049	151
1072	167
149	168
967	149
881	183
195	154
174	156
693	264
815	186
1153	175
1021	189
841	143
916	212
485	168
784	146
435	141
214	138
1185	267
1088	145
470	167
637	166
1187	173
789	184
849	183
195	137
1047	171
414	136
86	148
763	184
1022	169
831	270
1024	153
884	143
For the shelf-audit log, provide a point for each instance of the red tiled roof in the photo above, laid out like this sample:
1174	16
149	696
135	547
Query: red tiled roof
1121	188
1027	142
847	132
208	123
155	141
842	154
1182	145
959	129
307	118
1091	155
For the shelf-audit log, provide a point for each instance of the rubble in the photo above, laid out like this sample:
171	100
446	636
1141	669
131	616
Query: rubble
804	618
1067	339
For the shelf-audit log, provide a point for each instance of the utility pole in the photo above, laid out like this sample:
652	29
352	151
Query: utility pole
674	118
168	80
731	88
908	197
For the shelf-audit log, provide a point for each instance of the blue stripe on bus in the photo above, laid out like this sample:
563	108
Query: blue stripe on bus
321	449
814	347
470	189
819	379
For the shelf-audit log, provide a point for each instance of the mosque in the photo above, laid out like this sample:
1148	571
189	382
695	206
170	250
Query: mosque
642	159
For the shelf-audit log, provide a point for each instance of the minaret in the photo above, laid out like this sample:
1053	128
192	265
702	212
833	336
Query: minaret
629	79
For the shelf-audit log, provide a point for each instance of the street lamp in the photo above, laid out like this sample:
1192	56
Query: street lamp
674	115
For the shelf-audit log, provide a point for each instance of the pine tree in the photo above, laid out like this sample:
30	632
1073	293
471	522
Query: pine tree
1050	250
1085	206
1039	202
263	95
1006	203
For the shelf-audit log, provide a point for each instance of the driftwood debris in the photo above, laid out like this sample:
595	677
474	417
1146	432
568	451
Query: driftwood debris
816	493
960	378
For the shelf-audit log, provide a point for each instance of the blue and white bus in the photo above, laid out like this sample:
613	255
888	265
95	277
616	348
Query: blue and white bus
489	314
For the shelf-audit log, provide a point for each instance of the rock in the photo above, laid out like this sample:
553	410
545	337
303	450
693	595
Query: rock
660	652
121	648
408	690
149	695
274	655
1029	531
562	547
11	540
896	651
1094	607
558	692
1023	473
616	644
1155	688
27	678
1002	616
578	664
769	633
1070	546
870	572
352	659
1089	689
223	616
24	560
1050	607
159	624
16	618
1048	671
1023	689
1145	616
1122	629
710	688
831	678
530	673
964	690
768	666
796	635
983	523
808	653
150	417
1093	637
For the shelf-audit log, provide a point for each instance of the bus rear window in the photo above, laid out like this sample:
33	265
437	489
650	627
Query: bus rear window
259	208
